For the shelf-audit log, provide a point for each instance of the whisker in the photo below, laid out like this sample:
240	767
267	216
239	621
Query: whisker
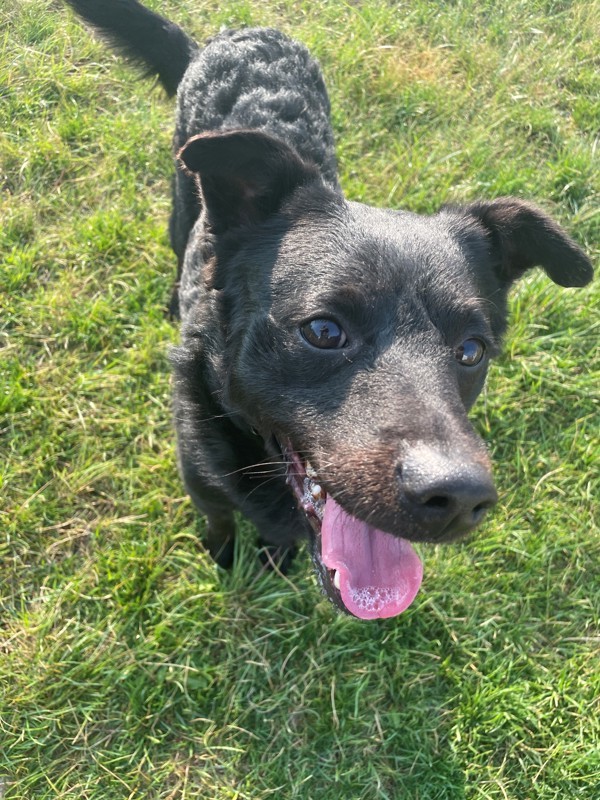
261	485
249	467
255	473
225	415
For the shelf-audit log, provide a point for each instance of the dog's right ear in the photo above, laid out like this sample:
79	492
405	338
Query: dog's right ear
244	176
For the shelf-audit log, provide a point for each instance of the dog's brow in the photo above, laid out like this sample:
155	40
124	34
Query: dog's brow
350	299
364	310
469	317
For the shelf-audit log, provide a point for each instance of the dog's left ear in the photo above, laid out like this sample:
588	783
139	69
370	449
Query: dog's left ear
523	236
244	176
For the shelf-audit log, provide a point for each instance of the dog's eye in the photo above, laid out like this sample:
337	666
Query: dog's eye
470	352
324	333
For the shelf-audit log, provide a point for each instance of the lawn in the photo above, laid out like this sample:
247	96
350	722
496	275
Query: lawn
130	667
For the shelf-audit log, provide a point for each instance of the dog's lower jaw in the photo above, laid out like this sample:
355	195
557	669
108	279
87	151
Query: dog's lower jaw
310	499
364	571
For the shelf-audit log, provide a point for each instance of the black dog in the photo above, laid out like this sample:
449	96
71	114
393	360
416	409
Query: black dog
330	351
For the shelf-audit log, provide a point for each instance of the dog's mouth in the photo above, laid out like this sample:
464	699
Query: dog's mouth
367	572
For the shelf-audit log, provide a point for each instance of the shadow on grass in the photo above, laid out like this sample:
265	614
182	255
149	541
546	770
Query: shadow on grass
309	700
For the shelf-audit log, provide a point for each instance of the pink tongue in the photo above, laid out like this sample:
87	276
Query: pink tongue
380	574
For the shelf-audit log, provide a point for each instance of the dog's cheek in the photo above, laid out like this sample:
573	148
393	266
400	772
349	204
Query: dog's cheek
471	383
256	381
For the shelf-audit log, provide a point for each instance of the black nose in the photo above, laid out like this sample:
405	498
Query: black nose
445	495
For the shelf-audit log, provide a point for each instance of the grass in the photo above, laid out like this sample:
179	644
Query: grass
129	666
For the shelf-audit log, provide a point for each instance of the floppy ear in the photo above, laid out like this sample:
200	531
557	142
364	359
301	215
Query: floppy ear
523	236
244	176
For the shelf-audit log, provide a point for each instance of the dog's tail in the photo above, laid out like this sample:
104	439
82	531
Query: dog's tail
143	37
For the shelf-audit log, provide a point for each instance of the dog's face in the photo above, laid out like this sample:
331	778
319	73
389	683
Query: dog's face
357	339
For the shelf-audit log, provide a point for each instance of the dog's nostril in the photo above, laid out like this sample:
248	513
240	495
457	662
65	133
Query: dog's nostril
438	501
443	494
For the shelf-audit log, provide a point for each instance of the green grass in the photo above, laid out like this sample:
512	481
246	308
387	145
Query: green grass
129	666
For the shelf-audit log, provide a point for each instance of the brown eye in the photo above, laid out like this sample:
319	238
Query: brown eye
470	352
324	334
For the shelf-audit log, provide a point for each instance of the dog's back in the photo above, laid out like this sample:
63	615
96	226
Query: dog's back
259	79
250	79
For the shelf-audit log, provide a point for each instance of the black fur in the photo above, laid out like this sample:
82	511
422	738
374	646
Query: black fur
267	243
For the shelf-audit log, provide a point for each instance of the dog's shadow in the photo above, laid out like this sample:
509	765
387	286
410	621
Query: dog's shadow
337	705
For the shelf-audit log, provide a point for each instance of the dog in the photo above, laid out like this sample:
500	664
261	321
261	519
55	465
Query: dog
330	351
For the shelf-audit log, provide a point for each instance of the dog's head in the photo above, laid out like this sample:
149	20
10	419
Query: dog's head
356	341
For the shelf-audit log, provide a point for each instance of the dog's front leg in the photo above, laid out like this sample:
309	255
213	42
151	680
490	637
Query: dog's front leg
219	538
